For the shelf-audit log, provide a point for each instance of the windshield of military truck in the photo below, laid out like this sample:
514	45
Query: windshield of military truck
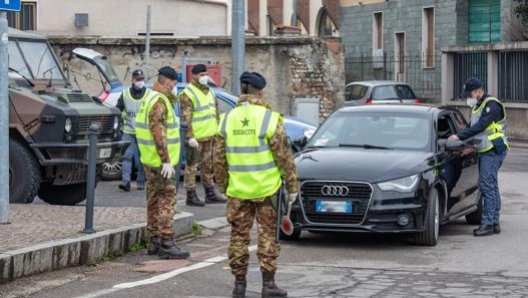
34	60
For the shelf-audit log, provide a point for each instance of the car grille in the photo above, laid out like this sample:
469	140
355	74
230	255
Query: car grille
358	193
105	123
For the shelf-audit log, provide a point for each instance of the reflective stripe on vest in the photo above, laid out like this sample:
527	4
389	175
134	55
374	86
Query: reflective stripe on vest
204	123
132	105
494	131
145	140
253	172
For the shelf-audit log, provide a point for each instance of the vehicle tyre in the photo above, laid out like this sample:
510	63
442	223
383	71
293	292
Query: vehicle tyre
293	237
475	217
429	237
111	171
63	194
24	174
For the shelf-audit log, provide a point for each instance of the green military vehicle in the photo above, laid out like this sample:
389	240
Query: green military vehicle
48	126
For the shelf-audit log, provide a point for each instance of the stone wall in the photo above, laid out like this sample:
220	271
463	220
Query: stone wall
293	67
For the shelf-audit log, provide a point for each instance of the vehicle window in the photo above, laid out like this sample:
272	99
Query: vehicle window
388	92
40	59
392	131
16	61
460	122
355	92
444	130
224	106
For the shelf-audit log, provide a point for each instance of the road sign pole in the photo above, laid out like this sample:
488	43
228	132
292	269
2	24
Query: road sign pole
4	121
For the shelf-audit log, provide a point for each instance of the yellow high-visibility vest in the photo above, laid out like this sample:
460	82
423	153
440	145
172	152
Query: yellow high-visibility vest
204	123
253	172
147	149
132	105
494	131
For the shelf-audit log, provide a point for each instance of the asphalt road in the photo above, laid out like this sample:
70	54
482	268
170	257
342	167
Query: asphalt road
336	265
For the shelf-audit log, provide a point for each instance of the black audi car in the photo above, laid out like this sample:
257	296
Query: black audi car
387	169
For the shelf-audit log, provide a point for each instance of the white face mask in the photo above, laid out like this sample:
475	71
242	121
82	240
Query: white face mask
139	84
203	80
471	101
174	90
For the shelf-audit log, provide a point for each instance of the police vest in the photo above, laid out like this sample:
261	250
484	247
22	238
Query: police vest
132	105
253	172
494	131
204	123
147	149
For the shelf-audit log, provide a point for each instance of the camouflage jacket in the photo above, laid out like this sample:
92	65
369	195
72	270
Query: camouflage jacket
187	109
279	147
158	122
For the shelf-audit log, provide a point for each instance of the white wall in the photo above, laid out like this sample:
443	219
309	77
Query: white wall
315	7
128	17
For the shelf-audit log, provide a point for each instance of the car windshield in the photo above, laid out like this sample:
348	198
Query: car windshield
34	59
107	68
388	92
374	130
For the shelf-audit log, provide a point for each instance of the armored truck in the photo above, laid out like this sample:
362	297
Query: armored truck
49	126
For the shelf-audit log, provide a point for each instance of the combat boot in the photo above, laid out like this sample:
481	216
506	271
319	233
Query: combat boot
269	288
153	246
211	197
240	286
125	186
169	250
193	199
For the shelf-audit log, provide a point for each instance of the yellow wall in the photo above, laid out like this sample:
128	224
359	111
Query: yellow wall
356	2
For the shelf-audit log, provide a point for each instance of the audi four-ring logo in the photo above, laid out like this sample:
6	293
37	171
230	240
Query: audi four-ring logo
334	190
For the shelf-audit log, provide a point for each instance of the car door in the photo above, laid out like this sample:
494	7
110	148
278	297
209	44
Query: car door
469	159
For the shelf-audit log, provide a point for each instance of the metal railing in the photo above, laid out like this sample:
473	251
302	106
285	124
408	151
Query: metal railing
420	71
513	76
466	65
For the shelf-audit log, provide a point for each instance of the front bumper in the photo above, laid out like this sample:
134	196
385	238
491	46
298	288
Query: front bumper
55	154
373	210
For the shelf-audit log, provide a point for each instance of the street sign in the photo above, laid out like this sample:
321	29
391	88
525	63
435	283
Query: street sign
12	5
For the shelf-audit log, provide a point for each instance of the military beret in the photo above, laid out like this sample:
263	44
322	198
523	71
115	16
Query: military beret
254	79
168	72
198	68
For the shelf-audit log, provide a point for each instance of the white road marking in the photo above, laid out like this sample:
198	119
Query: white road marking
161	277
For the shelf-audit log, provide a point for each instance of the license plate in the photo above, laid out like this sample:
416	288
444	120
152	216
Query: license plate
333	206
105	152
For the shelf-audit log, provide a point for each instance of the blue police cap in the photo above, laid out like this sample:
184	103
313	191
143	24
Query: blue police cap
470	85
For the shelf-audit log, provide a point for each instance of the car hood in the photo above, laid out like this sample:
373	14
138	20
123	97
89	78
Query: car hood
367	165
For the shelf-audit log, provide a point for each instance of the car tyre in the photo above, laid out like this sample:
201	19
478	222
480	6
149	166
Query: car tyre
63	194
111	171
429	237
24	174
475	217
293	237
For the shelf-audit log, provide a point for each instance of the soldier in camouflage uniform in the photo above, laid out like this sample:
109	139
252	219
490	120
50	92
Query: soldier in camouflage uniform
161	183
252	157
199	109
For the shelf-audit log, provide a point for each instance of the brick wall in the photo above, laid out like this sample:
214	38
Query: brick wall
275	11
303	13
332	7
253	8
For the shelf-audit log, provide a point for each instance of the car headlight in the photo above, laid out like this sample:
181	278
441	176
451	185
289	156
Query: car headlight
68	125
116	122
405	184
308	132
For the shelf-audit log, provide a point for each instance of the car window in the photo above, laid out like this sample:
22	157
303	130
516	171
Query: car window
223	106
460	122
387	92
444	129
355	92
393	131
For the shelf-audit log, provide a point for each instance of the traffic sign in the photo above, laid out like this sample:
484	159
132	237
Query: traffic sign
12	5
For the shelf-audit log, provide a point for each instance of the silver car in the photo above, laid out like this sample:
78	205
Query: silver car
367	92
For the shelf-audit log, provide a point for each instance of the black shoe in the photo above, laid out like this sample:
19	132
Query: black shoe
483	230
269	288
240	287
125	186
153	246
169	250
496	229
211	197
193	199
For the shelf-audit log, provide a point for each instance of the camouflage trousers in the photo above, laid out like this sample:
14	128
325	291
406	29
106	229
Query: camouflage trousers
240	214
199	157
161	203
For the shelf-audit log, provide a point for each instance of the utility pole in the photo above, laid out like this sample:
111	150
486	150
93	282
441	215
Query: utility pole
238	47
147	46
4	121
294	15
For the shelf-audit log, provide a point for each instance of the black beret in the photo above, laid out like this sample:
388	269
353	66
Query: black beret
254	79
168	72
198	68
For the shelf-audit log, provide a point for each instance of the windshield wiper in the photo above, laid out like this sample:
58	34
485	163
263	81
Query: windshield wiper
365	146
23	76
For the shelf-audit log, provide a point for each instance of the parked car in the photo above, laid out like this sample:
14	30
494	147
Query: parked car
387	169
367	92
111	171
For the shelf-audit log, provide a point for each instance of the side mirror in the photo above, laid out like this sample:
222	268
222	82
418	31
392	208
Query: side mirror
300	142
455	145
